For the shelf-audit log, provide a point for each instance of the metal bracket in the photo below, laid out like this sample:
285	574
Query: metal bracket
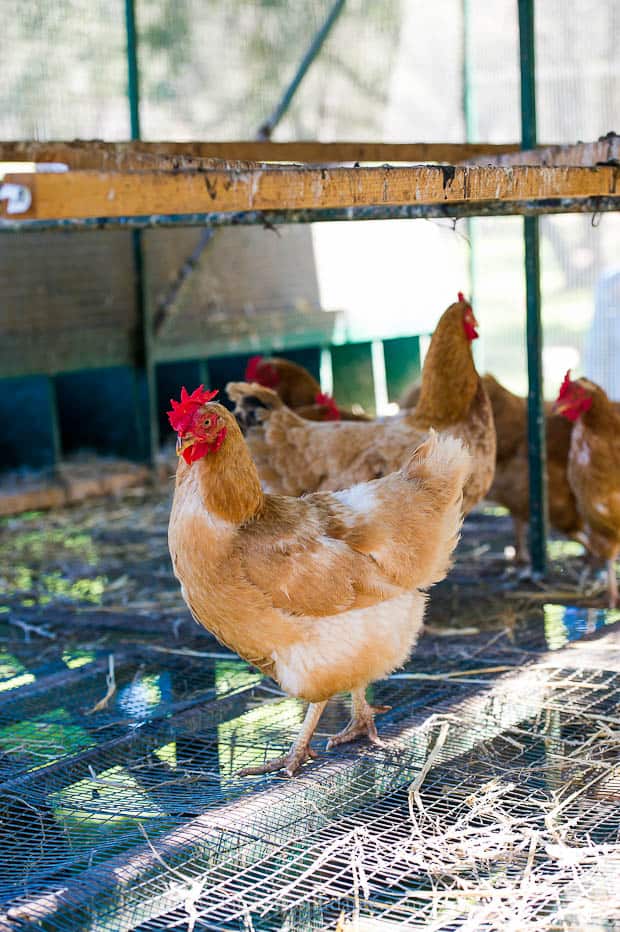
17	196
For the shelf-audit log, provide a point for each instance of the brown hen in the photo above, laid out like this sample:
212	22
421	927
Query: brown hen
594	468
511	483
294	456
323	593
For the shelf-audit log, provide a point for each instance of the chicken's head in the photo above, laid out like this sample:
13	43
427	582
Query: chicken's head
470	324
574	398
260	370
200	426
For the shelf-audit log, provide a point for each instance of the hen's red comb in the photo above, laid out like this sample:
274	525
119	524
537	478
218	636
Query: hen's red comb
182	412
332	413
565	386
257	370
251	370
460	296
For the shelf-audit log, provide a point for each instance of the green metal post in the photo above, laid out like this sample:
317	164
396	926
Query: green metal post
315	47
535	405
146	387
133	81
471	131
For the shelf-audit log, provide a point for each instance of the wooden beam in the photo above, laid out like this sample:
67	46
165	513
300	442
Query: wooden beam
124	156
91	194
605	150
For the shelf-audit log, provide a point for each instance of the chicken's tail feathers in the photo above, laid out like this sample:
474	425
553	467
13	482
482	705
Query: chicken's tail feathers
252	401
440	466
441	457
439	454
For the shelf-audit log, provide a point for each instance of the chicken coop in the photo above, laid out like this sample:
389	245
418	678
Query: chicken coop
187	188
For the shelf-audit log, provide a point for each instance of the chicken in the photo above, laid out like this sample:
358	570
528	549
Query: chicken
594	468
511	483
298	389
294	456
323	593
294	384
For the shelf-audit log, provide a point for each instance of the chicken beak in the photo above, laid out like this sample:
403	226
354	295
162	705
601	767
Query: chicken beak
183	444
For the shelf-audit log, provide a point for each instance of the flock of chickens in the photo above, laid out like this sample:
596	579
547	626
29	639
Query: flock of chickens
305	536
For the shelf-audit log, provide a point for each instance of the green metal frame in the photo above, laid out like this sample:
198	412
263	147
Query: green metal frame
146	386
470	118
535	402
552	205
353	375
403	364
133	74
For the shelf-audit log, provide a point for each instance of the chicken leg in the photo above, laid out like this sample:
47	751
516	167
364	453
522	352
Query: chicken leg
612	583
300	750
522	553
363	721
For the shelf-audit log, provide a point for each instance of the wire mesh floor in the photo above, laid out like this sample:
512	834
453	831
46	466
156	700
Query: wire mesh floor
493	805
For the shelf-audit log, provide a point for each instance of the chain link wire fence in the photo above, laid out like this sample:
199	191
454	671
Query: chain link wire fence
492	805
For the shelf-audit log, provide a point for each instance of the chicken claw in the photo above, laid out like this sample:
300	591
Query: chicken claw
290	762
300	751
362	723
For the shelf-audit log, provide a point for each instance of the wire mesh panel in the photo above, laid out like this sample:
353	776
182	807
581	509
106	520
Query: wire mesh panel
63	70
123	728
216	70
577	98
515	818
389	71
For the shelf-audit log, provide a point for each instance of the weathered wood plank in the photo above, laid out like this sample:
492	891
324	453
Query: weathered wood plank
123	156
582	154
87	194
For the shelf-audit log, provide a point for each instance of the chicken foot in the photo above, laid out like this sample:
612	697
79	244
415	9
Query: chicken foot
363	722
522	553
300	750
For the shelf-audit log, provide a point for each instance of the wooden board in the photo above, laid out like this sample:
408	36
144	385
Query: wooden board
89	194
584	154
67	302
118	156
